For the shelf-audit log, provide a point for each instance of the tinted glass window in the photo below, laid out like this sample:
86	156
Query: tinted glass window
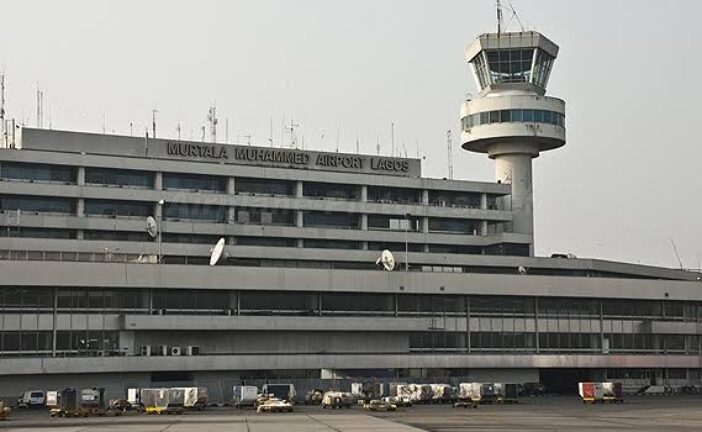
256	186
118	208
118	177
36	204
178	211
38	172
193	182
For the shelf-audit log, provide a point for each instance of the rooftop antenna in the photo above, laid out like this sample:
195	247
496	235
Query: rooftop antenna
387	260
291	130
358	144
417	143
498	6
3	127
153	122
449	144
131	129
377	146
675	249
226	130
40	107
202	137
178	130
212	120
338	136
392	138
270	132
104	123
514	15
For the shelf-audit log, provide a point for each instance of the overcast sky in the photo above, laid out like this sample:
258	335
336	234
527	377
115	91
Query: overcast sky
626	183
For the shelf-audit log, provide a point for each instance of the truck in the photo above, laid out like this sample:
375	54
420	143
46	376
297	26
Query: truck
244	396
591	392
284	392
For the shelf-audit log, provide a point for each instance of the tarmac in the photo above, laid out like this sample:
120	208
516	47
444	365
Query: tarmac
641	413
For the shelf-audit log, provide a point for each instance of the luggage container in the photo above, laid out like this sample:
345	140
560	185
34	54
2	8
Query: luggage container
244	396
591	392
488	393
470	392
162	400
612	392
443	393
510	393
4	411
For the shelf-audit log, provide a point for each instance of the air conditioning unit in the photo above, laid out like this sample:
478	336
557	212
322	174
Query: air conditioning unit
146	350
175	350
192	350
162	350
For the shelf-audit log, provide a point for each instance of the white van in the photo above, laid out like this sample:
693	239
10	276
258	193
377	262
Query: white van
31	399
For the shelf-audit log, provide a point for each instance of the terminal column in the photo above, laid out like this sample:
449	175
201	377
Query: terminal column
425	219
364	216
483	223
299	216
80	204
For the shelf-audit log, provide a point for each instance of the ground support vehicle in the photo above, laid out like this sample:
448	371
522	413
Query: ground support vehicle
443	393
32	399
378	405
489	393
314	397
398	401
333	400
162	400
71	403
284	392
4	411
273	405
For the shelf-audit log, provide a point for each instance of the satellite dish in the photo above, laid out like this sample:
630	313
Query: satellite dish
217	251
151	226
522	270
387	260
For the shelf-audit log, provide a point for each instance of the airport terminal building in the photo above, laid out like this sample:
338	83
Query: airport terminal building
88	297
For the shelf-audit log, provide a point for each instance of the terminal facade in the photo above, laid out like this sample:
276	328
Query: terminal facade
88	297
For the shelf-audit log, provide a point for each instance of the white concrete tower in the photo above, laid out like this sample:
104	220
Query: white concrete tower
512	120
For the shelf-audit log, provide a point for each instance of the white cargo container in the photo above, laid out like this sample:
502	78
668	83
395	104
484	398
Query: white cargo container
244	395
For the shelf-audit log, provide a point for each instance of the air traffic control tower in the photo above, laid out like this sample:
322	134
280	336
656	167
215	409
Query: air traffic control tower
512	120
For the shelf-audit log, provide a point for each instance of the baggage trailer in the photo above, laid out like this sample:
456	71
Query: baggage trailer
469	395
71	403
162	400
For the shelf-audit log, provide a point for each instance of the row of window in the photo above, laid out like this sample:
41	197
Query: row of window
242	185
219	214
607	343
513	116
41	300
66	341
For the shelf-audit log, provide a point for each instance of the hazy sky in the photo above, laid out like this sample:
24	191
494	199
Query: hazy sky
626	183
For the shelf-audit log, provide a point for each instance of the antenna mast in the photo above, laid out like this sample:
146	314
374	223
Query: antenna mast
392	138
675	249
449	144
498	5
153	122
40	107
3	130
212	119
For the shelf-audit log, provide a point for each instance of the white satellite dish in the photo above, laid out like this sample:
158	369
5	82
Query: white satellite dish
522	270
151	226
387	260
217	251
